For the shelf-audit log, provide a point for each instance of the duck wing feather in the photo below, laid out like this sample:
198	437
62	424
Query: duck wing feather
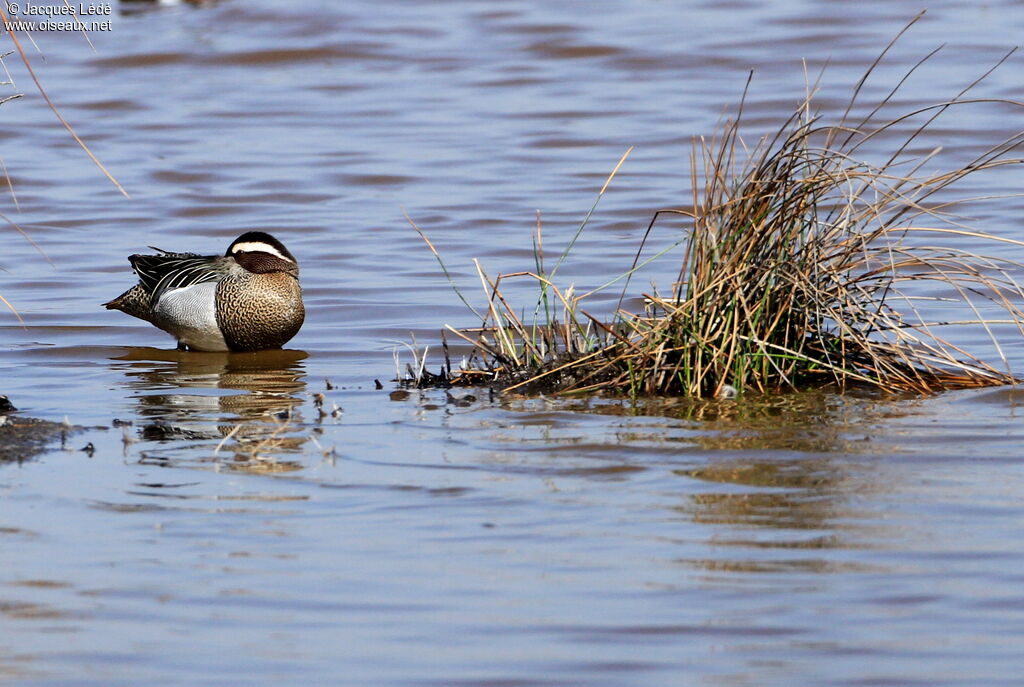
167	271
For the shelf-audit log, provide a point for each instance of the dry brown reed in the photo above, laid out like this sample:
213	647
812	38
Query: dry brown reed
67	126
49	103
801	266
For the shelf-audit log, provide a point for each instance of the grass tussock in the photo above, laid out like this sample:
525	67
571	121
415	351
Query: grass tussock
802	264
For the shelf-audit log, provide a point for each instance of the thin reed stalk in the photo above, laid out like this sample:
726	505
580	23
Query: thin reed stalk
802	264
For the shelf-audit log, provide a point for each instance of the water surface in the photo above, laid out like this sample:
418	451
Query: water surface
225	530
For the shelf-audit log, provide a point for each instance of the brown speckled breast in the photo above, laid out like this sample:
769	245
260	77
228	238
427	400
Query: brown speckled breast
258	311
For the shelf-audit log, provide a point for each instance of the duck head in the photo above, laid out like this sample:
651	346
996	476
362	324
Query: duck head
260	253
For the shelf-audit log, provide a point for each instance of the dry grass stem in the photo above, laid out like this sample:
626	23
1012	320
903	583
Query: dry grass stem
802	264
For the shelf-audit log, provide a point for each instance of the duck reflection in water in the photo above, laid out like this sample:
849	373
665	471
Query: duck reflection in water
245	404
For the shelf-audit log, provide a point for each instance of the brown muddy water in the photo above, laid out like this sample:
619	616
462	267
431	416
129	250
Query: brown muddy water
225	532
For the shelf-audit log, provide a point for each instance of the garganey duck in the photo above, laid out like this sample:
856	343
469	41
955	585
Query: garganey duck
246	300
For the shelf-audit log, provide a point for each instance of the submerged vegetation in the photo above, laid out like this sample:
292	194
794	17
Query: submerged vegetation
801	266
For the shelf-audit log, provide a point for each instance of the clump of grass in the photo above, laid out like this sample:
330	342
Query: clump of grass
801	266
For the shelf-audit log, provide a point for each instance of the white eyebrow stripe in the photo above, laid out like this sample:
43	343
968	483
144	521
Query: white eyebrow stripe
258	246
